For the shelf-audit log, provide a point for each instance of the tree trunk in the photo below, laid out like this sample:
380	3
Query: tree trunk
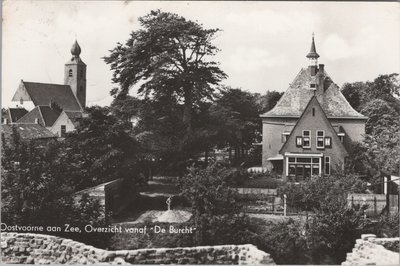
187	110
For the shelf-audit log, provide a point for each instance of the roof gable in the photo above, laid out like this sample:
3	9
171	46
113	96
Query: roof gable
313	120
30	118
299	93
46	116
13	114
44	94
71	116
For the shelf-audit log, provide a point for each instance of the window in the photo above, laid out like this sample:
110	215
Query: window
70	73
327	165
341	137
81	73
285	136
300	168
313	85
320	139
313	112
299	141
63	130
306	139
328	142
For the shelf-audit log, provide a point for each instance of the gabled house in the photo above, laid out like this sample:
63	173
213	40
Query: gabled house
51	101
43	115
311	127
66	122
12	115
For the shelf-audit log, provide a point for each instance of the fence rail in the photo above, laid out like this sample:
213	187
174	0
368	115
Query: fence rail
375	202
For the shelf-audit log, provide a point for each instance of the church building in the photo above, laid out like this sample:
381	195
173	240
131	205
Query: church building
310	129
56	106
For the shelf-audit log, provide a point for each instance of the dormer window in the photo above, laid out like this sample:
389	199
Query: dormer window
341	137
285	136
70	73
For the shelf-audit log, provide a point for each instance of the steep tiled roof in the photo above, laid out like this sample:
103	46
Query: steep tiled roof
299	93
45	115
13	114
27	131
44	94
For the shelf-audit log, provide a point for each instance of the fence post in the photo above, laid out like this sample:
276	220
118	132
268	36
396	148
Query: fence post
284	205
375	207
273	203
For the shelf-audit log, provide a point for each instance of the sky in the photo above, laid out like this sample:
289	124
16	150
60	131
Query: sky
262	44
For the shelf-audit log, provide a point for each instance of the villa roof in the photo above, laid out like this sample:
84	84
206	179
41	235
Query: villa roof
299	93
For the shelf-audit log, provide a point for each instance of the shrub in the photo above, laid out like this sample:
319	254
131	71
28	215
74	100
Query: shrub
312	194
285	242
216	212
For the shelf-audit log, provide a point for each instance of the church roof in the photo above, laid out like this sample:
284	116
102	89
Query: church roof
299	93
27	131
76	49
44	94
46	116
13	114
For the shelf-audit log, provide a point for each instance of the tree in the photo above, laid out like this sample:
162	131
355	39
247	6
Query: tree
101	149
216	212
378	100
36	188
168	56
235	119
354	93
269	100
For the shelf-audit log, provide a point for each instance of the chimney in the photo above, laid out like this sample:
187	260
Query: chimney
313	70
321	77
36	120
321	68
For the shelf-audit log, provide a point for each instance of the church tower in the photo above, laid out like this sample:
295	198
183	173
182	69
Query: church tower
75	74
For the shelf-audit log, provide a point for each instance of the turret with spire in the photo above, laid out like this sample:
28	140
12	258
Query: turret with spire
313	57
75	74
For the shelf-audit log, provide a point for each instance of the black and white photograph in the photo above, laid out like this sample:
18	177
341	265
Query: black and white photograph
200	132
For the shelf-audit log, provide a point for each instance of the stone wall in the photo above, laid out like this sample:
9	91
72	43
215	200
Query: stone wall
27	248
370	250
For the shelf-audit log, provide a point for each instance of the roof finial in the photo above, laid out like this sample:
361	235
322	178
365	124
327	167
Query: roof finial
313	52
76	49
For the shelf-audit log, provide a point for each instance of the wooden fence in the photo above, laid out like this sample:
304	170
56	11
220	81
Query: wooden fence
375	202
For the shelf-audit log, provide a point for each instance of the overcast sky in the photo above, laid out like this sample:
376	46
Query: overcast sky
263	44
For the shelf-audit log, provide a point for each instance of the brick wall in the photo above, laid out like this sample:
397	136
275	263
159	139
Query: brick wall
26	248
370	250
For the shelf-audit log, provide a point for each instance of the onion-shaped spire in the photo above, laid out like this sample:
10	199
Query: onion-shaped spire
76	49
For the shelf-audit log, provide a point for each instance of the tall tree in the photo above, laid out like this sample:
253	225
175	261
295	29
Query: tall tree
101	149
168	56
